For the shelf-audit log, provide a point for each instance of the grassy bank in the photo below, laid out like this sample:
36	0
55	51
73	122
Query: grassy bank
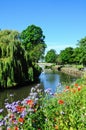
58	111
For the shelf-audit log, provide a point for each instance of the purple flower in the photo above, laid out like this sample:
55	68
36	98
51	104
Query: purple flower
23	114
1	110
1	123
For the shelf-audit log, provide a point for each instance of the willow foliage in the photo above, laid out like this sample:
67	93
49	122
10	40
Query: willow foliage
15	66
10	46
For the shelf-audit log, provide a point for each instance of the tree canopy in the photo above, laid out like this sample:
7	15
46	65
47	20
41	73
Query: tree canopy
51	56
11	58
33	41
82	46
66	55
17	53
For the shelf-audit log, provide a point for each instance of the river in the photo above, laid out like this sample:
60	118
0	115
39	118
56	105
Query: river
46	80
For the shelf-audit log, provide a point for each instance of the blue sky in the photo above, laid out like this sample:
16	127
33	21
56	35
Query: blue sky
63	21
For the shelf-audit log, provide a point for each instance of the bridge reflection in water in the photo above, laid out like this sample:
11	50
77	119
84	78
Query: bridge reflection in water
53	80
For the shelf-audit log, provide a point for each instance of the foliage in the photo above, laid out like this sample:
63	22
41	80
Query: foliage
51	56
77	55
15	64
11	58
65	56
33	42
30	73
82	43
82	46
63	110
73	56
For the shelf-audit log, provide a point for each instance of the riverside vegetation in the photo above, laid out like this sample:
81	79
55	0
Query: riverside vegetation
65	110
17	56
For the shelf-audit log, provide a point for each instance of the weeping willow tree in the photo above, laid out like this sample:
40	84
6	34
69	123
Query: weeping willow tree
15	66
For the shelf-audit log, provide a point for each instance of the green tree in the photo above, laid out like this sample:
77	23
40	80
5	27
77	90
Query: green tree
82	46
12	59
15	66
65	56
33	41
77	55
51	56
59	59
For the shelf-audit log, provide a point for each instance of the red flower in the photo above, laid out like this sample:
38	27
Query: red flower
60	101
79	88
21	120
16	128
76	85
30	103
20	108
67	87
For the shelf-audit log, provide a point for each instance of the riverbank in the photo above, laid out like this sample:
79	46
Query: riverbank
72	71
69	70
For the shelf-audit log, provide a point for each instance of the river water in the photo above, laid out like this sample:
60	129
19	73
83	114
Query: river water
54	80
46	80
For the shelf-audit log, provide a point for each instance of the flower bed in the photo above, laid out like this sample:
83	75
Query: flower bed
47	111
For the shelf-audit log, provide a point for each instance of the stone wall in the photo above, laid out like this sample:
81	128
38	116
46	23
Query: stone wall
72	71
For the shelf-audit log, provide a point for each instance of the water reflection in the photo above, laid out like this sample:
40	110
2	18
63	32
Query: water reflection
52	80
49	80
66	79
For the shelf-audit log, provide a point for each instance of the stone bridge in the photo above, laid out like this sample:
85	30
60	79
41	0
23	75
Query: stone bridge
42	65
